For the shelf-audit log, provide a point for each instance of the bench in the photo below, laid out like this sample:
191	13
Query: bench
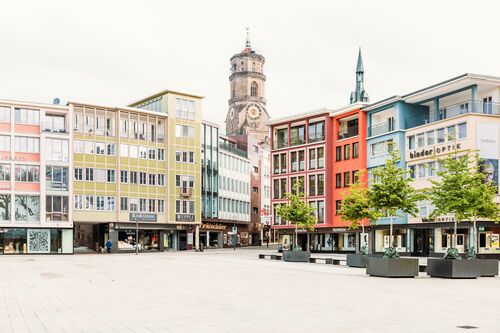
270	256
328	261
337	262
422	268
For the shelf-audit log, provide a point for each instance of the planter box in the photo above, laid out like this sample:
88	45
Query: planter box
296	256
489	267
454	269
392	267
356	260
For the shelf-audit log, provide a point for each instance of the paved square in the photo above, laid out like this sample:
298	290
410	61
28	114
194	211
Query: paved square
230	291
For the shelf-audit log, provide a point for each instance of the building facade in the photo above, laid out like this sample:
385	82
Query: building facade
35	210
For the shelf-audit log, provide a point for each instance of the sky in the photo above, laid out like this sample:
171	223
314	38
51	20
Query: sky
115	52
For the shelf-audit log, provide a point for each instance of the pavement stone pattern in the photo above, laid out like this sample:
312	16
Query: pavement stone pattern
230	291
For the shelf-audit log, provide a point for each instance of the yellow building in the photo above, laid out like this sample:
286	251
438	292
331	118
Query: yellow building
137	166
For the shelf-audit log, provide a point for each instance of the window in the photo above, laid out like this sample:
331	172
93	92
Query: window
321	157
462	130
253	89
89	174
183	131
312	185
381	148
4	172
293	161
110	149
347	179
161	179
133	177
78	146
411	142
78	202
27	208
487	105
110	203
431	172
161	154
57	178
276	164
27	173
452	135
143	152
440	135
421	170
355	150
78	174
152	205
152	153
411	169
312	159
184	109
297	134
78	120
302	162
347	152
152	179
284	188
110	177
338	206
338	180
89	147
430	138
134	204
321	211
27	116
123	176
161	206
100	202
255	169
142	205
281	138
316	131
57	150
276	188
124	204
338	153
142	178
420	140
54	123
56	208
27	144
89	202
355	176
283	158
4	114
100	148
321	184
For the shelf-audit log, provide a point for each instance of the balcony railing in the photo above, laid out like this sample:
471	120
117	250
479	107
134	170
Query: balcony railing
465	107
349	133
232	149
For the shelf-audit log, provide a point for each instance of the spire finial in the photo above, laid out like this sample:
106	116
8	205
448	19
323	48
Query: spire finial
359	66
247	43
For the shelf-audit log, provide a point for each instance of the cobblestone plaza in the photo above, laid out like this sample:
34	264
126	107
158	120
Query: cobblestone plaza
230	291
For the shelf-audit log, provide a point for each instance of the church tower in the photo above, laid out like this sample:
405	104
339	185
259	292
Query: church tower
247	114
360	94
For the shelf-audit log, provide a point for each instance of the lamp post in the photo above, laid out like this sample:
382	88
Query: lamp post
136	237
235	231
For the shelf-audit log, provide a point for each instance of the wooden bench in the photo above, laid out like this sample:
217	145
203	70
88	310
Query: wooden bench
270	256
328	261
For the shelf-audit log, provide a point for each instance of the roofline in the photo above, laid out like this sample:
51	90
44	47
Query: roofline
119	107
383	102
164	92
208	122
299	116
347	108
34	104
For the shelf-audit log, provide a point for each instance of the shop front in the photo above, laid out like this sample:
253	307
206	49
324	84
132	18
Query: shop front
322	240
36	241
489	240
212	235
399	239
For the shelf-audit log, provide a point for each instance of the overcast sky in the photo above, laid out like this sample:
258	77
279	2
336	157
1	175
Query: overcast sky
115	52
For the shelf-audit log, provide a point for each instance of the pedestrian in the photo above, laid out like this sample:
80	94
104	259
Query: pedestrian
267	241
109	245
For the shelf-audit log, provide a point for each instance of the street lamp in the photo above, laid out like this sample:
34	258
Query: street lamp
136	237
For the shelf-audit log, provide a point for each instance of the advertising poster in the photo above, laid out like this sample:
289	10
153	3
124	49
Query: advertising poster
487	140
490	168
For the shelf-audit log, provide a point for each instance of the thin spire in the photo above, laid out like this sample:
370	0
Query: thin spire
359	66
247	42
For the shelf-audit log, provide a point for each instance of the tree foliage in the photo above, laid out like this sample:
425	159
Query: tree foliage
464	192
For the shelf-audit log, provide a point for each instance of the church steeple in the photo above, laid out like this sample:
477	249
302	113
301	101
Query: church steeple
247	42
360	94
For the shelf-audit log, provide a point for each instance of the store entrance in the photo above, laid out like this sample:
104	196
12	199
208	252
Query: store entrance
182	240
422	242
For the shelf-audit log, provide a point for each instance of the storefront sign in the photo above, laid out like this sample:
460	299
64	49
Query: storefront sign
184	217
439	219
339	229
216	226
142	217
434	151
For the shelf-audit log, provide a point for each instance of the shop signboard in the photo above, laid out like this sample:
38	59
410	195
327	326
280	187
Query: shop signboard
184	217
418	153
142	217
214	226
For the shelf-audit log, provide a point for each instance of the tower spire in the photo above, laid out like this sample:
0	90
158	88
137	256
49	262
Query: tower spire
359	95
247	42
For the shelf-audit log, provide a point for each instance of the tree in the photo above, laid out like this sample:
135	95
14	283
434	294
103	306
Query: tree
356	207
391	194
463	191
298	211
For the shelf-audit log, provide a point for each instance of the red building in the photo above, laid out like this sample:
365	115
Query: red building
324	150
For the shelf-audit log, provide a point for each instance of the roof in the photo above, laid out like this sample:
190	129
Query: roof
164	92
298	116
119	107
34	104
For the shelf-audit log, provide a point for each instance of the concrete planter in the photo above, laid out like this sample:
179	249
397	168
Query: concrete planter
489	267
454	269
392	267
356	260
296	256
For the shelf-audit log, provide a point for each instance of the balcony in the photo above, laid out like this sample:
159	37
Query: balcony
232	149
349	132
381	128
465	107
186	191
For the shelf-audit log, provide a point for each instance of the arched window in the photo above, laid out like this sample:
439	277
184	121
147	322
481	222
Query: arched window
253	89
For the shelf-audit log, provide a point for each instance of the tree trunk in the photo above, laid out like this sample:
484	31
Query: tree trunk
308	245
455	234
296	236
474	234
391	240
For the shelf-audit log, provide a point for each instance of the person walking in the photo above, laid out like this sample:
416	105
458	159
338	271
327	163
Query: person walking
267	240
109	245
